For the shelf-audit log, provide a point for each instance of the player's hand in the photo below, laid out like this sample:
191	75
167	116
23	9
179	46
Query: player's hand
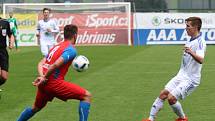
188	50
49	30
11	46
38	35
39	81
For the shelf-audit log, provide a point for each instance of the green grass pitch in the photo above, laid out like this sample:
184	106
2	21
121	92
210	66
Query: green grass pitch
124	82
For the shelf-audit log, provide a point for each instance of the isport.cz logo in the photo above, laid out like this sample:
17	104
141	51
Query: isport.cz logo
156	21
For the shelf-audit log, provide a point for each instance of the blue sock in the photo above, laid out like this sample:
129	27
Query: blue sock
26	114
83	110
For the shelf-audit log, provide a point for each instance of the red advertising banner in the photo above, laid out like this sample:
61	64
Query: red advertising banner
96	28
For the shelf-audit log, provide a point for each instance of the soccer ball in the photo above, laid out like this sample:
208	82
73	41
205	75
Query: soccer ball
80	63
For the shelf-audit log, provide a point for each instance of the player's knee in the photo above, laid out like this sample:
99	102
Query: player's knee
3	76
35	109
88	96
163	94
171	99
2	80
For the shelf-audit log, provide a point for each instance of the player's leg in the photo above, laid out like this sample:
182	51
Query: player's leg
66	90
15	39
84	106
40	102
176	106
180	92
159	101
26	114
44	49
3	76
16	42
4	65
157	105
50	47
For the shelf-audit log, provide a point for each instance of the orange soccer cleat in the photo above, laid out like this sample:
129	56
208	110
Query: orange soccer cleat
146	120
182	119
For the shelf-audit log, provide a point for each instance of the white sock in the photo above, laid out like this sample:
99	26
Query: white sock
156	106
177	108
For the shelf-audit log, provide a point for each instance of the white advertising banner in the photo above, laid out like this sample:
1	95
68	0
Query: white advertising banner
169	28
171	20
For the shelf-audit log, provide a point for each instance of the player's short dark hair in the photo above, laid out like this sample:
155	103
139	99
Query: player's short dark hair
195	21
44	9
70	31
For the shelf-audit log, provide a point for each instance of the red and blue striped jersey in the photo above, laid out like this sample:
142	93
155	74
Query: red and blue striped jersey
64	49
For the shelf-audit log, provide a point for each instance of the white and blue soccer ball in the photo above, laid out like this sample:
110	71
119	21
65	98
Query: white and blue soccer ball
80	63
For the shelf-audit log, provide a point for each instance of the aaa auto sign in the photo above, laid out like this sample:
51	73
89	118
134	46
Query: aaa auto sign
169	28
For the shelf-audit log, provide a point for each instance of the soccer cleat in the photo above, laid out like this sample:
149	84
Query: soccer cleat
182	119
146	120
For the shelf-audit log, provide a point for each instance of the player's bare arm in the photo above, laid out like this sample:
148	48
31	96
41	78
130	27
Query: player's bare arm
39	81
38	31
198	58
40	66
11	43
38	35
43	79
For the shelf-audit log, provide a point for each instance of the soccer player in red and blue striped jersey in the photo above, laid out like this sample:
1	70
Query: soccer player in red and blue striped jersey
51	83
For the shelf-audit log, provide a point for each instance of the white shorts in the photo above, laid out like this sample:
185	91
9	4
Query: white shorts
180	87
45	48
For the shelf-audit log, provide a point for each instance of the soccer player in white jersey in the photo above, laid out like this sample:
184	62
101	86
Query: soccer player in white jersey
188	77
46	30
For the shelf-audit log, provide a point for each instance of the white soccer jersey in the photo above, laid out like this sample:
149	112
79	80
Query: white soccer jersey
190	68
46	37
